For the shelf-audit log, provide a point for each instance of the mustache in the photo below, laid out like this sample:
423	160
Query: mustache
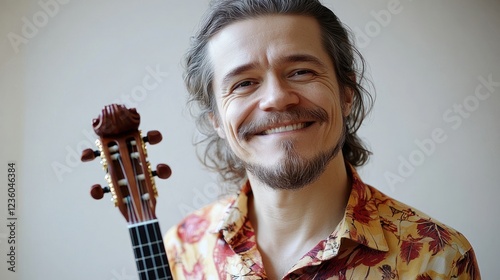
272	118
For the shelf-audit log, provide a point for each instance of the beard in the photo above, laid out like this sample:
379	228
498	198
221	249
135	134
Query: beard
294	171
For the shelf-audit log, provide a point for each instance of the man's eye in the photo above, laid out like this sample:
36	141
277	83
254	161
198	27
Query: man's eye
244	84
302	75
302	72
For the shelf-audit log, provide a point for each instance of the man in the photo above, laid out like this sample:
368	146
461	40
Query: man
281	101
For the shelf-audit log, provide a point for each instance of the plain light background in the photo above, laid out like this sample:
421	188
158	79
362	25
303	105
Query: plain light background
426	59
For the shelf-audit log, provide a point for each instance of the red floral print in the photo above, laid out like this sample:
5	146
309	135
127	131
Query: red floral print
380	238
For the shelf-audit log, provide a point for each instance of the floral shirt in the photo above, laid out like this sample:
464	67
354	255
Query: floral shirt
379	238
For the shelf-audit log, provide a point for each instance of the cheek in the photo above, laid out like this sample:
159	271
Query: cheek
237	110
326	96
234	114
230	119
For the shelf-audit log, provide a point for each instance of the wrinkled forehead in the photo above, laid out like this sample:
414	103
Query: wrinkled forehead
264	40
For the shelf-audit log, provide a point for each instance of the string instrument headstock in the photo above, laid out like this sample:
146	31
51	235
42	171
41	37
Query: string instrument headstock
123	154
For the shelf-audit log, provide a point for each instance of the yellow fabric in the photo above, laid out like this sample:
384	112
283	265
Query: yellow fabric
379	238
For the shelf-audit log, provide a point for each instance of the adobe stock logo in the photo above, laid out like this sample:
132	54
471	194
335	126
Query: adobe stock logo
32	26
454	118
381	19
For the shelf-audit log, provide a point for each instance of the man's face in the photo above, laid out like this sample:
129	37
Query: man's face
276	91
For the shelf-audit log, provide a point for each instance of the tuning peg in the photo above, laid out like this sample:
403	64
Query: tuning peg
97	192
89	154
163	171
153	137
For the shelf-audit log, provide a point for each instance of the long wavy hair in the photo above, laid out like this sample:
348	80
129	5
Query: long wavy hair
349	64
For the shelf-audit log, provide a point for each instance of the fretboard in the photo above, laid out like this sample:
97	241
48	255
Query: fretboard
149	251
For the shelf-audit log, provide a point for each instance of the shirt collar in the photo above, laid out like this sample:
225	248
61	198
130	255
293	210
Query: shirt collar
361	222
235	215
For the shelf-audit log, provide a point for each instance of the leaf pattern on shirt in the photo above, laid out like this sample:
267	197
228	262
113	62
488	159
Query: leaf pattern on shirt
405	214
379	238
360	213
440	236
387	272
388	225
468	265
410	249
315	253
363	255
192	229
424	276
244	239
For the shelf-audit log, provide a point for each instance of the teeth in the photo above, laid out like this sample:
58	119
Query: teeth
286	128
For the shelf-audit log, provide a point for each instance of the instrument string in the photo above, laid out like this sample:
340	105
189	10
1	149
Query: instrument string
135	159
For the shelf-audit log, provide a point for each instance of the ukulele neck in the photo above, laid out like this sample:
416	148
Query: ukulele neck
149	251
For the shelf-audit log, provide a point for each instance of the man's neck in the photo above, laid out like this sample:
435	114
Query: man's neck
289	223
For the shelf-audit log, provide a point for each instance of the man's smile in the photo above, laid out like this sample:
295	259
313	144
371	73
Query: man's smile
278	122
286	128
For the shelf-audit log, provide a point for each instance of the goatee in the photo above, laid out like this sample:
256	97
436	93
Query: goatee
294	171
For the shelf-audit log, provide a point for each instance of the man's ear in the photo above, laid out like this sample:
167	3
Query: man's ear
215	120
348	100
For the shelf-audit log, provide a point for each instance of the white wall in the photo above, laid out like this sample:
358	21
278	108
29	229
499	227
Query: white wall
425	60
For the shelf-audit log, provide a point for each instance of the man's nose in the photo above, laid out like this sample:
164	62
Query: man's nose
278	96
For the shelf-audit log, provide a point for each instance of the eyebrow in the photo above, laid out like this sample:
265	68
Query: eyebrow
282	60
237	71
303	58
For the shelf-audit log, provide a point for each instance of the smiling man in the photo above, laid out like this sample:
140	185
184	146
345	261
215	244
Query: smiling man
281	100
